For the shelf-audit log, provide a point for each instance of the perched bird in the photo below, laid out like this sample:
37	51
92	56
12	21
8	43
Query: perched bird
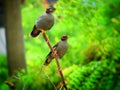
61	47
44	22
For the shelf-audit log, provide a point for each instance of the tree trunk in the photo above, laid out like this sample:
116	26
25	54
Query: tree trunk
14	37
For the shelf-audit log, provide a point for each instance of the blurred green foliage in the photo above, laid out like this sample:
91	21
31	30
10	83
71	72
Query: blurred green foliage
93	59
3	72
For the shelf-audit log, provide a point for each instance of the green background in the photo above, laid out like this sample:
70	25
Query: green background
93	59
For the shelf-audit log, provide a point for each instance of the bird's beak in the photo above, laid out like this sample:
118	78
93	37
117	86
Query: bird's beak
67	36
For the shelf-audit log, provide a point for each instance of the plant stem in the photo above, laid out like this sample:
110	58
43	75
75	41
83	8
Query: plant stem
56	57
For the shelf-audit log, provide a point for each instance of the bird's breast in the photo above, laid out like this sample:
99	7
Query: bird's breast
62	49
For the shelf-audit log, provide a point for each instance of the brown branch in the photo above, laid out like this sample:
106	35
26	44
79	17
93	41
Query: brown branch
56	57
11	85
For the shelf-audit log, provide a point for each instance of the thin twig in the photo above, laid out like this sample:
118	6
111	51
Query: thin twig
50	80
42	69
56	57
18	78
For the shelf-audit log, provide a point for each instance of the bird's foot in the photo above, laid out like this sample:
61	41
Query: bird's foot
60	69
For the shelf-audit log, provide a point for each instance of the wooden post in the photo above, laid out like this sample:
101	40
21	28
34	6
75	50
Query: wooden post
14	36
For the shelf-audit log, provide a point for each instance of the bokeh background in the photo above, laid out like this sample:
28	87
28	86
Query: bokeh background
93	59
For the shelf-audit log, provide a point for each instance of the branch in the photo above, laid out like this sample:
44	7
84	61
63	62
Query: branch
11	85
56	57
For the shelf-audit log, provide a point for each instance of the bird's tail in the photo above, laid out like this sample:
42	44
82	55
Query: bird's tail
34	32
47	61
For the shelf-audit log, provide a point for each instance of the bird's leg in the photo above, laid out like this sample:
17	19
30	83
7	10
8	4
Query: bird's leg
54	53
44	35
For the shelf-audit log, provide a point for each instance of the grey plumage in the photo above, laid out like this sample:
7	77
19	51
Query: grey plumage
61	47
44	22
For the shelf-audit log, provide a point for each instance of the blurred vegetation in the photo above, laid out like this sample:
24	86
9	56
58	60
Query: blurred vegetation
93	59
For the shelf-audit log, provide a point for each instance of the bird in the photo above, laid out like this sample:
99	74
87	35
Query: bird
44	22
61	48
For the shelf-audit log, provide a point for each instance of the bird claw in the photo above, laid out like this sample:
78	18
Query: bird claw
60	69
54	53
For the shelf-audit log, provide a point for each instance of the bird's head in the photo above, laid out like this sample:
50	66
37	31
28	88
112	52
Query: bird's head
50	10
64	38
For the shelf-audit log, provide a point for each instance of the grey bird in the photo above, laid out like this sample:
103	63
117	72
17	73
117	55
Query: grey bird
44	22
61	47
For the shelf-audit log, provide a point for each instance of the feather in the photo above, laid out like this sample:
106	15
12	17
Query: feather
50	56
35	32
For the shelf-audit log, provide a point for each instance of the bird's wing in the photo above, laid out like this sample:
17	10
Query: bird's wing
55	46
50	56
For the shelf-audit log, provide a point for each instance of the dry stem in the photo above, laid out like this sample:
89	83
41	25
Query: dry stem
56	57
